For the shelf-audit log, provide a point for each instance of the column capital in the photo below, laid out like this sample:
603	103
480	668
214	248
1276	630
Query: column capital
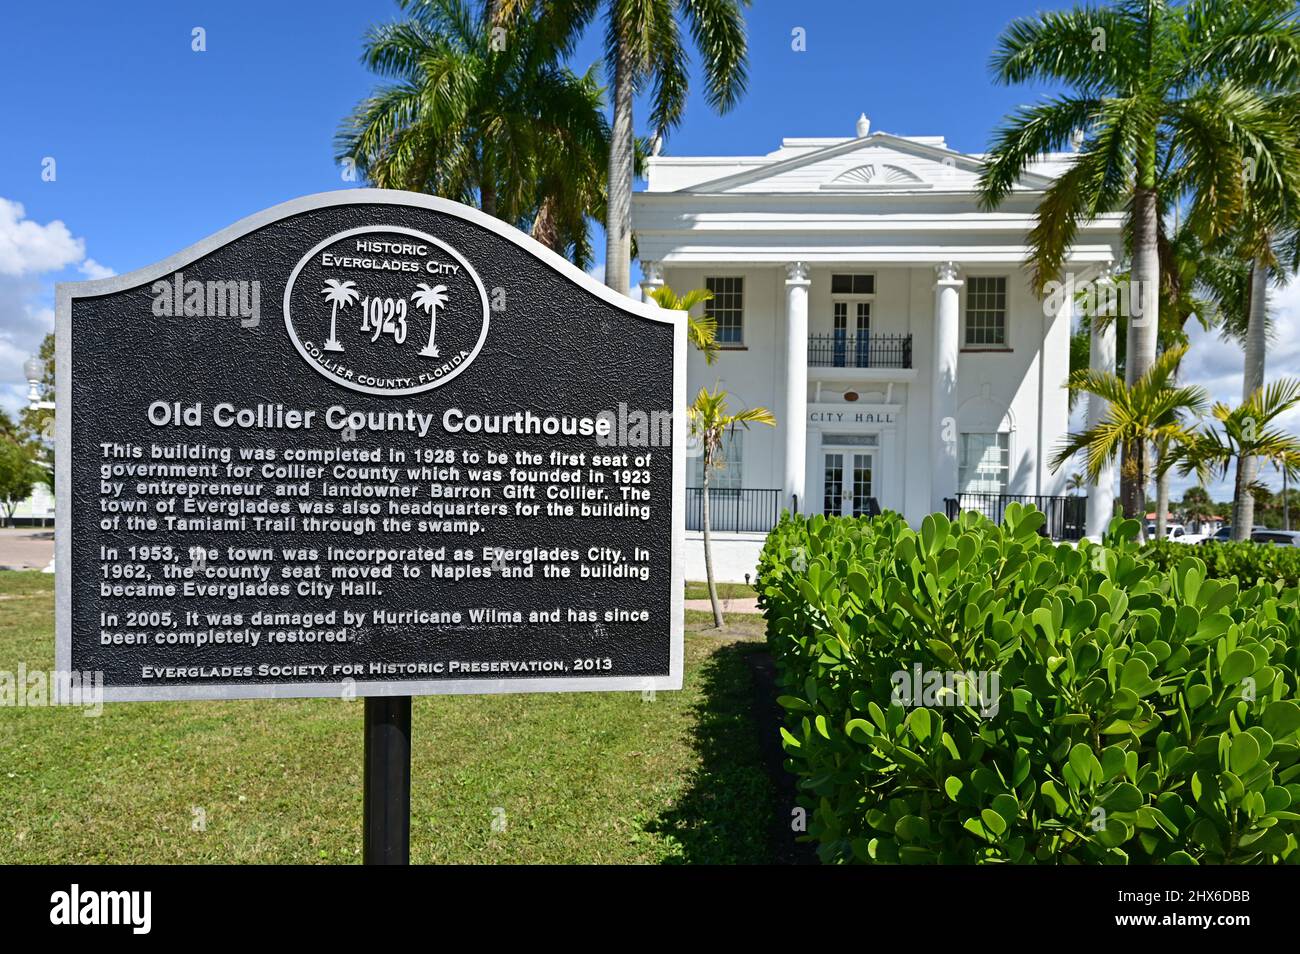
796	273
947	273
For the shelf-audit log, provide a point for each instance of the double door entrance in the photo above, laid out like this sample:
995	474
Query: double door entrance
848	486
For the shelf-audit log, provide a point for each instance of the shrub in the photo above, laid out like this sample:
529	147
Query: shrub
1140	716
1250	563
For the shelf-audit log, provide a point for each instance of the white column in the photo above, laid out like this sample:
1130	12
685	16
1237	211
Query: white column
796	384
943	393
652	279
1101	357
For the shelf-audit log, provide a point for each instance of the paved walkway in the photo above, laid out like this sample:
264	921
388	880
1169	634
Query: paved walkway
741	604
25	548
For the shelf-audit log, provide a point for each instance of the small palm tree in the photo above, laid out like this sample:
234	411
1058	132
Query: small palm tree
1076	483
1245	434
703	332
339	295
1137	417
710	422
430	300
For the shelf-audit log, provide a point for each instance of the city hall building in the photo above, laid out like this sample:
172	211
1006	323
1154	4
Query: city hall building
863	295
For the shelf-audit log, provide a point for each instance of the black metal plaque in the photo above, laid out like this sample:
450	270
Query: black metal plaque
368	443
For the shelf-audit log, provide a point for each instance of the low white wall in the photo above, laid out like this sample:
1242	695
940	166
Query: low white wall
734	555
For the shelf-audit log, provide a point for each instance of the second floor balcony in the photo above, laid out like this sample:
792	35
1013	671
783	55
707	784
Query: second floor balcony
860	351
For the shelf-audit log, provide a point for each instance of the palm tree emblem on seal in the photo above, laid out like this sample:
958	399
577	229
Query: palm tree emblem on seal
339	295
430	300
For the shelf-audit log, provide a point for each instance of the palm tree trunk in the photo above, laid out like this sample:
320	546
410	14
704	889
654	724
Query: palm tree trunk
1132	477
1243	507
708	553
1162	504
618	215
1252	379
545	227
1162	482
1144	316
1142	488
1256	330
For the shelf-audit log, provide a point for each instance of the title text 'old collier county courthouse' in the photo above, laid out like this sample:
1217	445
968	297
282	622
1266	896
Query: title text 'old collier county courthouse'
863	295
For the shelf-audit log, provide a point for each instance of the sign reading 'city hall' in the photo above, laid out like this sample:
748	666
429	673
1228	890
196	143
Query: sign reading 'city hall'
374	443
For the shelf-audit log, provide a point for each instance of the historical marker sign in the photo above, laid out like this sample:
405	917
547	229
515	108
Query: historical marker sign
368	442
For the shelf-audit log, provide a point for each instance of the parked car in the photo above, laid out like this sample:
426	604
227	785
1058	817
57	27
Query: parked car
1280	538
1224	534
1173	531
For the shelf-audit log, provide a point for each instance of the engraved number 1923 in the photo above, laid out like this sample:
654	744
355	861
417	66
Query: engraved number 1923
384	316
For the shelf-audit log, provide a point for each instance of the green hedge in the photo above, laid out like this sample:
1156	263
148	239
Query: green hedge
1139	716
1250	563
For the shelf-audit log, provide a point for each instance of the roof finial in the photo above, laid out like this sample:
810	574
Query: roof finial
864	126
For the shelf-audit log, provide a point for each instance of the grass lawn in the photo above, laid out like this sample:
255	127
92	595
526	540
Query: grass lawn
726	591
582	777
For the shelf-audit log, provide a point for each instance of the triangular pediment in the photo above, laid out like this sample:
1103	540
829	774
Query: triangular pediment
877	164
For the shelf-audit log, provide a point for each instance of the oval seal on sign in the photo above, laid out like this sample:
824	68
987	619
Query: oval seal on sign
386	310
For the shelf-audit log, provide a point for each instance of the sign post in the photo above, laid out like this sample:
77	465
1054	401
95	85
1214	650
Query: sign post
368	444
387	796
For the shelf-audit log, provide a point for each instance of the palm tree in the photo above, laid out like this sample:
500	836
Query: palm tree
710	421
1245	433
1144	414
430	300
1234	275
1075	483
489	119
645	47
1156	88
702	332
1263	235
339	295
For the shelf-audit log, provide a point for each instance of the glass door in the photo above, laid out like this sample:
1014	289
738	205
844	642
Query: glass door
862	339
840	320
847	484
833	485
861	492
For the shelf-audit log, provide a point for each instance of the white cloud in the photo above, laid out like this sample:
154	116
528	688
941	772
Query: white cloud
1216	365
93	270
32	257
29	248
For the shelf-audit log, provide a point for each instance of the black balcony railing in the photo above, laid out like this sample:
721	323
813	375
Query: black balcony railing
733	511
843	350
1066	516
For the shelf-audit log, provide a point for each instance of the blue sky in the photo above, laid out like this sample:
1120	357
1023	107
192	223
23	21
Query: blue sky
156	146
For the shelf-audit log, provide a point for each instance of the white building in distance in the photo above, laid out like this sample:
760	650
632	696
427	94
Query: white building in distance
864	296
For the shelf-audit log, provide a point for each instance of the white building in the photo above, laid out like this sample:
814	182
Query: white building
865	297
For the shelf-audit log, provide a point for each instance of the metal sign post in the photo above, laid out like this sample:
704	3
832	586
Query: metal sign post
387	798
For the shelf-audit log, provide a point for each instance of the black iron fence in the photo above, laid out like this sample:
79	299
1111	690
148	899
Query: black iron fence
843	350
1066	516
733	511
